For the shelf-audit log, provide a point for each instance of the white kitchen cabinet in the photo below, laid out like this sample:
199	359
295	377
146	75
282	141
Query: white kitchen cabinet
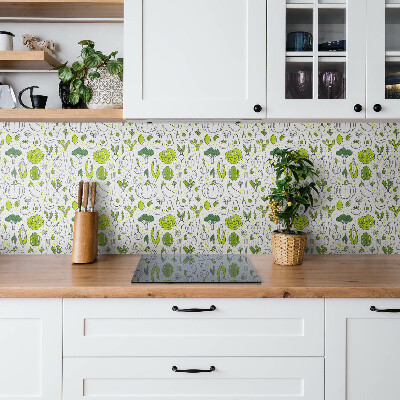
30	349
230	378
383	59
305	79
234	327
195	59
362	349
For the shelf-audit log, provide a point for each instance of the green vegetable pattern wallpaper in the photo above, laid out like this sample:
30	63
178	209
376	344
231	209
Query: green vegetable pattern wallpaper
195	188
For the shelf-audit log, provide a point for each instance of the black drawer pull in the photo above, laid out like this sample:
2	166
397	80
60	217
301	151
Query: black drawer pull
193	371
175	308
393	310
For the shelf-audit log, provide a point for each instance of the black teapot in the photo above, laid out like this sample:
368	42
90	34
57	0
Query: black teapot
38	101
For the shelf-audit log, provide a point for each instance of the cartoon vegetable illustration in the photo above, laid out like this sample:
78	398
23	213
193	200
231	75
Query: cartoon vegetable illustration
79	153
233	173
167	222
233	239
35	222
146	153
34	239
344	219
344	153
300	222
366	222
13	219
13	153
102	239
234	270
212	191
366	174
167	239
35	156
103	222
167	156
167	270
101	156
234	222
366	156
366	239
212	219
145	219
35	173
234	156
101	173
167	173
212	153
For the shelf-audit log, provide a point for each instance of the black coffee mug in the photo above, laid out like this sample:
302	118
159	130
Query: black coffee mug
299	41
37	100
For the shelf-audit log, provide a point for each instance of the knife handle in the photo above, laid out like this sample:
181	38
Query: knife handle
80	193
86	195
93	196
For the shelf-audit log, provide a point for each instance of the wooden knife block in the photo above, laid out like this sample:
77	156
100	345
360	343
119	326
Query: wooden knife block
84	246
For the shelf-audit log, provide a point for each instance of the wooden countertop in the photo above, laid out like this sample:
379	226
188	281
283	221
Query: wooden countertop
323	276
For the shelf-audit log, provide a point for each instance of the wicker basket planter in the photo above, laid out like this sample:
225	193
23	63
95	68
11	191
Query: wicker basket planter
288	249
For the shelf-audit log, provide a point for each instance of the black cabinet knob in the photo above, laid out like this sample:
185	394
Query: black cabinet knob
358	108
377	107
257	108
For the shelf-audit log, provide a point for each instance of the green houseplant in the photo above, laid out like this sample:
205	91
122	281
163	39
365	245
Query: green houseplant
84	75
292	194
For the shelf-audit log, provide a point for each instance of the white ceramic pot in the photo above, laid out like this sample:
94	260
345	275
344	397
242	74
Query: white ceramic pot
106	90
6	41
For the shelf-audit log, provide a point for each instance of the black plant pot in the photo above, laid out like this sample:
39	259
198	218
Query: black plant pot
64	92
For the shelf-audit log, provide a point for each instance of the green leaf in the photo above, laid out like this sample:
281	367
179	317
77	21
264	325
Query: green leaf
113	54
114	67
86	43
65	74
77	66
93	61
84	93
73	98
86	52
93	75
79	74
75	84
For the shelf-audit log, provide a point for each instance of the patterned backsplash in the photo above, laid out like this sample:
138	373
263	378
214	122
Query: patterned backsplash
195	188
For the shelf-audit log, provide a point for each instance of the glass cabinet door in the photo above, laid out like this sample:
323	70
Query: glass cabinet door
316	59
383	59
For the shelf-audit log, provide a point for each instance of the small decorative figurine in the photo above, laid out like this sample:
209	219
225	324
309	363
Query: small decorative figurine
34	44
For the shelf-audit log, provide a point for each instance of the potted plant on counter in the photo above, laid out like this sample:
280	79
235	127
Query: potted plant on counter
292	194
95	80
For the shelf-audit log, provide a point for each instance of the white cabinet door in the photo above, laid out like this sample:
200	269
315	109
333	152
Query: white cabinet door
153	378
305	78
194	59
151	327
383	59
362	349
30	349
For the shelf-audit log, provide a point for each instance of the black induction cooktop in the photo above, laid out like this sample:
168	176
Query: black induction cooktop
158	268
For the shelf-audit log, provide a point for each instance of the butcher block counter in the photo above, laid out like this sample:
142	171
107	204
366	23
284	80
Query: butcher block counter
320	276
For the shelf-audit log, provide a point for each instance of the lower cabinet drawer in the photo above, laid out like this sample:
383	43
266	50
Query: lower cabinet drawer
153	378
163	327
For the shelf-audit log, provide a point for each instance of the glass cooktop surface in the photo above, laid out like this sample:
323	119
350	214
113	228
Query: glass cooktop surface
157	268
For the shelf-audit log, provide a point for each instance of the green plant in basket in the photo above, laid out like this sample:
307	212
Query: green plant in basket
84	68
294	187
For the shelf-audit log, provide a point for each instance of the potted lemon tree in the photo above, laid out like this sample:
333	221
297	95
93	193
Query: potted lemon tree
292	194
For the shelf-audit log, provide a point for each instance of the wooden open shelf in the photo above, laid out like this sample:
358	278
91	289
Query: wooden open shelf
62	9
27	60
60	115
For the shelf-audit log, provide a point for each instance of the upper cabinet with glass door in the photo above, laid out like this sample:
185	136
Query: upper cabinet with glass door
316	59
383	59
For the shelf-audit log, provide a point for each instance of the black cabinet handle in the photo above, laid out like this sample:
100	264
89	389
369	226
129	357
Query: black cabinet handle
257	108
377	107
358	108
390	310
175	308
193	371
